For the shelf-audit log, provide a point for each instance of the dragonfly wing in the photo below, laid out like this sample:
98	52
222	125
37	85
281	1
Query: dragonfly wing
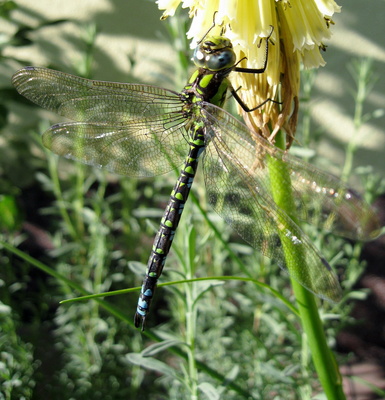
133	149
245	203
85	100
130	129
334	207
321	199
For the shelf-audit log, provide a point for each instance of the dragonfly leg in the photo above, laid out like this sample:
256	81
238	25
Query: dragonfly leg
244	106
257	70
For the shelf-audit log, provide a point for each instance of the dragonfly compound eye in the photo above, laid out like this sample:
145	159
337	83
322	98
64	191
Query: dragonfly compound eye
216	61
220	60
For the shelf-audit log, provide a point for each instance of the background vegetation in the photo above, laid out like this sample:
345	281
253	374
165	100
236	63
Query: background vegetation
82	230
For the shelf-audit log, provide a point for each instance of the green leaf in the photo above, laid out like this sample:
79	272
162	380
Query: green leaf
210	391
152	364
9	213
156	348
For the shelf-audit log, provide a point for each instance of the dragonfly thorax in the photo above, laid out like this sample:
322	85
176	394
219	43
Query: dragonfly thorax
215	53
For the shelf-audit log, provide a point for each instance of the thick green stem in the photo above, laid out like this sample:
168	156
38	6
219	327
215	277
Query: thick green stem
191	312
323	358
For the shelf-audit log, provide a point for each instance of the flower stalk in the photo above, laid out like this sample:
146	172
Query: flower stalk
324	361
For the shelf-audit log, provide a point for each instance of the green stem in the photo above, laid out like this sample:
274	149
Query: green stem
191	312
53	171
323	358
362	74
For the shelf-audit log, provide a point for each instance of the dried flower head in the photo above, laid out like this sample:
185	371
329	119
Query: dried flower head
299	29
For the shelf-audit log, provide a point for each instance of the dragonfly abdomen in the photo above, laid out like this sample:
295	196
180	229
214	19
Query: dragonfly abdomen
168	226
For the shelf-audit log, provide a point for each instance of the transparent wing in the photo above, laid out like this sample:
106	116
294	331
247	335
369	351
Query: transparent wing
320	198
135	149
238	186
131	129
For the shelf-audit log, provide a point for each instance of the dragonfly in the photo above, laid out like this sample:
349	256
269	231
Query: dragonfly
143	130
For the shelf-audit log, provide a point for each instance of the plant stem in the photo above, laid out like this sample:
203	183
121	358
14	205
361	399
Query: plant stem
53	173
191	312
361	71
323	358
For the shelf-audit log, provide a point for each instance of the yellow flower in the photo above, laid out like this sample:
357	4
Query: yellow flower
299	29
169	5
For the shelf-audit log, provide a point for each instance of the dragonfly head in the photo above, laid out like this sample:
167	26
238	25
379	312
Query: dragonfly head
214	53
